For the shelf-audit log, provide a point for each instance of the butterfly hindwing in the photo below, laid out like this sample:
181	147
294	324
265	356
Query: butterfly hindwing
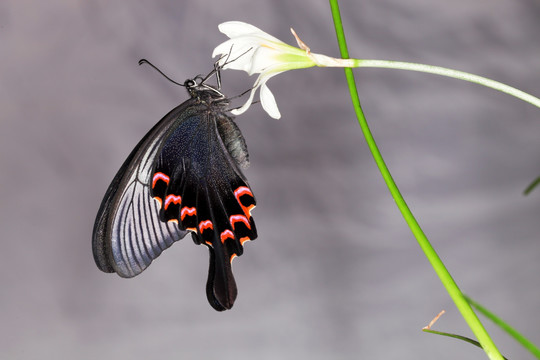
195	179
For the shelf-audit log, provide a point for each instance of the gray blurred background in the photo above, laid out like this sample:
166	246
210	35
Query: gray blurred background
335	272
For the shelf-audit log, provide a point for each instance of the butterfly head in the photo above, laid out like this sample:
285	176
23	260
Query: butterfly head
198	88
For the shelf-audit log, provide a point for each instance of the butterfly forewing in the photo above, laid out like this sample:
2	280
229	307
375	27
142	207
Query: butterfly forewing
128	233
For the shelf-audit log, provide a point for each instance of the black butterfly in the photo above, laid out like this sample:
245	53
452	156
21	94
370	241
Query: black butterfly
183	176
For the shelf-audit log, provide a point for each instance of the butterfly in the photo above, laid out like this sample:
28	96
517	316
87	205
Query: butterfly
184	176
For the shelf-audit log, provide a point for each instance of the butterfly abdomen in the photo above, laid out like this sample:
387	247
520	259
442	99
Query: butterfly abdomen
233	140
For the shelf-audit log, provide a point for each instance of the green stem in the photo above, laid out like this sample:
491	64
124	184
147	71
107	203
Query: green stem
461	75
445	277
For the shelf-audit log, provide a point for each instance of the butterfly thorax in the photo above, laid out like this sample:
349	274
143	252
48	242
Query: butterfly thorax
218	104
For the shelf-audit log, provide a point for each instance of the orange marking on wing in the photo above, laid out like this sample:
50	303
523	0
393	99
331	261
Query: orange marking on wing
206	224
249	208
173	220
158	199
239	218
159	176
176	199
187	212
244	239
192	229
227	234
232	257
242	190
208	243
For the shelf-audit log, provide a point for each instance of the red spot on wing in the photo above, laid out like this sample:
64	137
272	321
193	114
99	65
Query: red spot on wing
239	218
241	191
247	209
175	199
227	234
187	211
206	224
159	176
244	239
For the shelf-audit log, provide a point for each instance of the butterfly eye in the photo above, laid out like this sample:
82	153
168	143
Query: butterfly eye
189	83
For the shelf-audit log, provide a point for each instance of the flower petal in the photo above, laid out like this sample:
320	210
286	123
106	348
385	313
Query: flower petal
231	50
235	29
252	50
242	109
268	102
246	54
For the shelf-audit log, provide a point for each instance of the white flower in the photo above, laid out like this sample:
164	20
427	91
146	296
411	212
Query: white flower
256	52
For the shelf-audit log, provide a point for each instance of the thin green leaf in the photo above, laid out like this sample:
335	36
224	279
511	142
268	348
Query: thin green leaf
532	186
455	336
526	343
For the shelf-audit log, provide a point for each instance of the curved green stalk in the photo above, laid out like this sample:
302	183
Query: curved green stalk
461	75
445	277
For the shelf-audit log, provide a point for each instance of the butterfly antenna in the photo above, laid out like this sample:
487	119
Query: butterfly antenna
144	61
